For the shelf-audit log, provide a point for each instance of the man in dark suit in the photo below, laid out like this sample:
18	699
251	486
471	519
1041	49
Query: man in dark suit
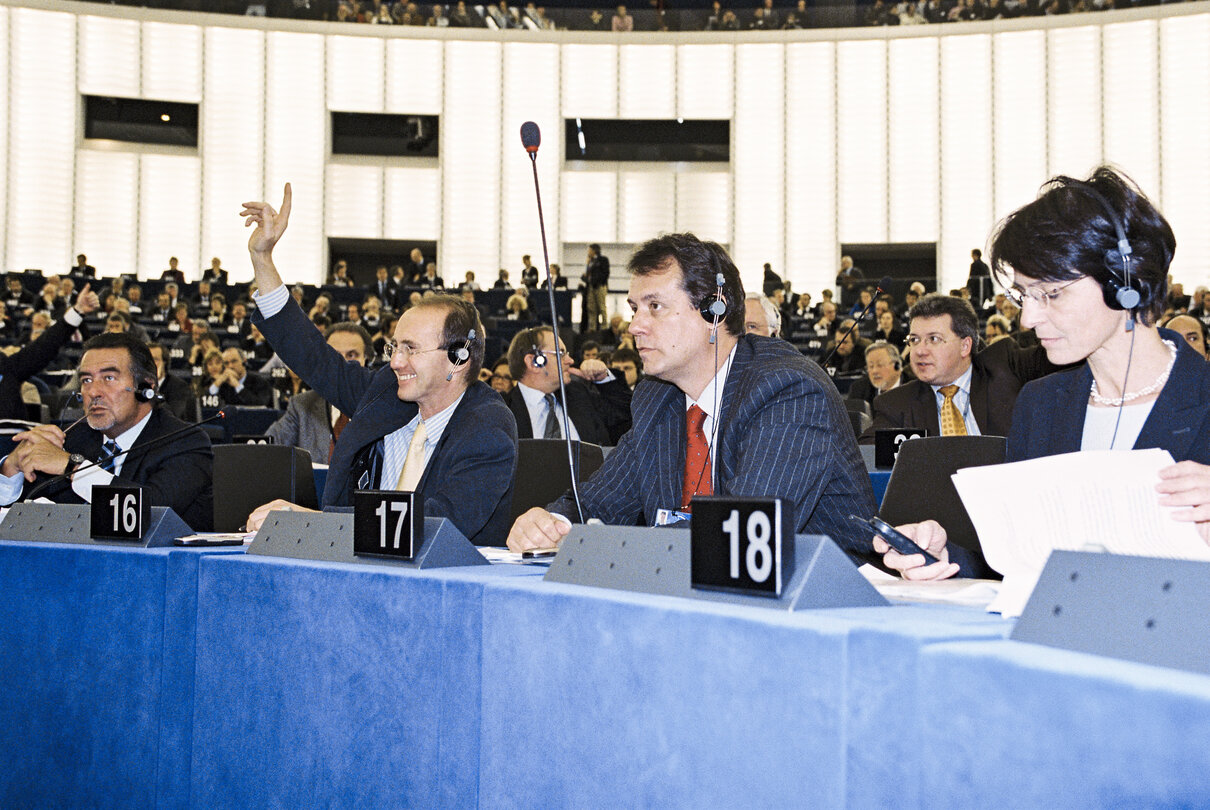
215	272
83	268
425	424
598	402
309	421
176	394
744	415
385	288
237	386
115	372
977	390
18	367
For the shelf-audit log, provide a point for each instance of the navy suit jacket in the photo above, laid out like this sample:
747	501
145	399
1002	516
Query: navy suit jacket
31	359
600	412
178	473
783	431
1049	419
469	478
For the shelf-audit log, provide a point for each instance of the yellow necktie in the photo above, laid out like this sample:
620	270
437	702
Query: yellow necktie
952	423
413	465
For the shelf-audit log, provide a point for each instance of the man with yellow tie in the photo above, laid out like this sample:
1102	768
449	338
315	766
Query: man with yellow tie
425	424
957	391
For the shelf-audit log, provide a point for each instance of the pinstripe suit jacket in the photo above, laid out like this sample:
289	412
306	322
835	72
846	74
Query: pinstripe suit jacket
783	431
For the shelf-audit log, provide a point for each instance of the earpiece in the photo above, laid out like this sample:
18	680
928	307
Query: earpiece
145	394
1119	287
539	357
715	308
460	355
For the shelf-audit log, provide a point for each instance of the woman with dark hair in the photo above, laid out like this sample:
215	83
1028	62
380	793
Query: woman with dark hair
1087	262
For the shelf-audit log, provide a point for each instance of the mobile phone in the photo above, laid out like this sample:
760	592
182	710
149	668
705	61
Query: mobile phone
895	538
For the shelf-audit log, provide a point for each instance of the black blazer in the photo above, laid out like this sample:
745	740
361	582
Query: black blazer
17	368
179	398
178	473
600	411
257	392
469	478
218	278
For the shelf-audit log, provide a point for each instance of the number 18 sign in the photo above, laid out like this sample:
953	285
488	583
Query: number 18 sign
741	544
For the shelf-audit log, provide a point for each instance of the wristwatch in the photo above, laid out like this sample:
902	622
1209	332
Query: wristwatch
73	463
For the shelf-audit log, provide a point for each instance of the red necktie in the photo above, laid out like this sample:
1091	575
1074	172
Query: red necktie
697	458
341	421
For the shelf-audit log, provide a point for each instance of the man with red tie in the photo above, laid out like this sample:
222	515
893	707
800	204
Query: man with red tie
717	411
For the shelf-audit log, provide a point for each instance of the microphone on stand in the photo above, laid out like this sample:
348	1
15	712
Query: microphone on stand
33	493
883	284
531	139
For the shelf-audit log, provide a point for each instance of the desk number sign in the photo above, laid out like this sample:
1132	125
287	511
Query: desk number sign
887	442
387	523
741	544
119	513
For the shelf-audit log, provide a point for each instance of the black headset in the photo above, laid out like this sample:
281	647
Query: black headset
146	393
1119	287
714	308
460	355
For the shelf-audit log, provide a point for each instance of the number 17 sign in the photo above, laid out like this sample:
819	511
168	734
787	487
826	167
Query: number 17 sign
387	523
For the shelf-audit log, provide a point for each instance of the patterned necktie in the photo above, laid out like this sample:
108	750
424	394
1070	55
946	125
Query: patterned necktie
111	451
697	458
413	465
552	431
952	423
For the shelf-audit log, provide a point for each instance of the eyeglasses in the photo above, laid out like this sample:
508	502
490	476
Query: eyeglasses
1039	296
404	350
928	340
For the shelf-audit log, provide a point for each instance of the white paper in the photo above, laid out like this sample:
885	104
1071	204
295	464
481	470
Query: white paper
1102	500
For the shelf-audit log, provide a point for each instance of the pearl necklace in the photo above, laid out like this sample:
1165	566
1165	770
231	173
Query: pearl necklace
1142	392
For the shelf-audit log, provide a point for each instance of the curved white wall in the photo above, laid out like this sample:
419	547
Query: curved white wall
860	135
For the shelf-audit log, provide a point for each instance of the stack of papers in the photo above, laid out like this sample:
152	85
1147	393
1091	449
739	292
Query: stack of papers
1100	500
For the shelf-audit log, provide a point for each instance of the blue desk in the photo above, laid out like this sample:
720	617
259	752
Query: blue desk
171	678
96	658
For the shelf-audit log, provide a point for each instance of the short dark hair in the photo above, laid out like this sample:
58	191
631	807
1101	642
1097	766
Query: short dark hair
523	344
700	262
1067	233
624	354
460	318
142	364
963	319
353	329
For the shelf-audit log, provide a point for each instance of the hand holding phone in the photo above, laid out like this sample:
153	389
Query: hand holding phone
895	538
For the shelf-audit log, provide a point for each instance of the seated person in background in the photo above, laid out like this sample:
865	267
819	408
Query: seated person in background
18	298
238	386
176	394
469	283
957	392
888	329
997	328
827	324
761	316
339	277
83	268
884	371
430	280
181	322
556	273
425	424
1191	329
162	311
119	321
502	281
201	301
763	419
213	373
1061	256
218	317
627	363
518	308
590	350
598	403
39	322
37	355
174	271
114	372
849	351
191	343
240	325
215	272
309	421
501	380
